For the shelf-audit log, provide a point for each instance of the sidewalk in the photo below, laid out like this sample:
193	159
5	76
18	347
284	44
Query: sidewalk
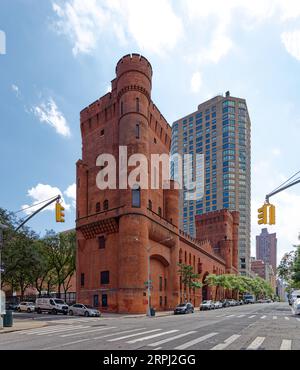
23	325
135	316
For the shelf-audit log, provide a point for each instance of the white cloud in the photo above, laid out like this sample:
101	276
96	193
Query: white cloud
48	113
71	193
290	9
40	193
154	26
276	152
16	90
291	41
196	82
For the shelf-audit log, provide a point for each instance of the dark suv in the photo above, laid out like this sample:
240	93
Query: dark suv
184	308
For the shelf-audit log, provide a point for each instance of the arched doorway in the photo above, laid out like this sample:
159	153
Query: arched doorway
205	288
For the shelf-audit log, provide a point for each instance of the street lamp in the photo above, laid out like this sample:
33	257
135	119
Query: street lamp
2	227
148	282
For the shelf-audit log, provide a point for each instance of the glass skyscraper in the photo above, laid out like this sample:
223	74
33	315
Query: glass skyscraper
220	130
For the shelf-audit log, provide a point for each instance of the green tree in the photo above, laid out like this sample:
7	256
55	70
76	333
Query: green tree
296	269
188	278
61	250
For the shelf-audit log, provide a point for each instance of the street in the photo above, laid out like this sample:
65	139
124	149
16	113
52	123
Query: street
250	327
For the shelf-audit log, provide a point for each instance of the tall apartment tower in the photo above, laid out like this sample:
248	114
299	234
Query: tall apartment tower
266	248
220	130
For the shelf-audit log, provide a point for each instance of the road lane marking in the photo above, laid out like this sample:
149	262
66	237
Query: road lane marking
286	345
172	338
251	317
195	341
86	332
241	316
298	319
57	331
274	317
134	335
263	317
230	316
287	318
118	333
256	343
65	344
221	315
157	349
226	343
38	330
152	336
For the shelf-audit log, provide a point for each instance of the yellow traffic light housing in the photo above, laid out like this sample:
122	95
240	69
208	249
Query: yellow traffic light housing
59	212
263	215
272	214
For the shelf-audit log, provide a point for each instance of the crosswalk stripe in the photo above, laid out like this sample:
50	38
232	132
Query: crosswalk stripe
241	316
298	319
133	335
119	333
52	329
172	338
286	345
256	343
86	332
195	341
226	343
263	317
251	317
37	330
56	331
274	317
65	344
230	315
287	318
157	349
152	336
221	315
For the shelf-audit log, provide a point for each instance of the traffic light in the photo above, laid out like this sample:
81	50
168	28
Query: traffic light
272	215
263	215
59	211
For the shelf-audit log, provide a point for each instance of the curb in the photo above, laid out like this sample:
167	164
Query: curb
12	330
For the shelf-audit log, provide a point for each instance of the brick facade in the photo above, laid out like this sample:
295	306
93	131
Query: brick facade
114	238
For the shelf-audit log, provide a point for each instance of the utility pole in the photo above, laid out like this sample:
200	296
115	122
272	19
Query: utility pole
2	227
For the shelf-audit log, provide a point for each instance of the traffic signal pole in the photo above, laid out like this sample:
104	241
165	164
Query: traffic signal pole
38	211
268	196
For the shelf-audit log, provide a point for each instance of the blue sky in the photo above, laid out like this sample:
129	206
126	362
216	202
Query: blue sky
61	55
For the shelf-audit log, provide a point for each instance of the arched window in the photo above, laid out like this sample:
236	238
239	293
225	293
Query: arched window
98	207
185	257
136	196
105	205
150	205
137	104
180	256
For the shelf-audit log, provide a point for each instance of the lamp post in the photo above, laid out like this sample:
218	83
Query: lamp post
148	281
2	227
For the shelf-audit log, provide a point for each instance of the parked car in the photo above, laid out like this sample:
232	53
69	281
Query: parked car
293	296
232	302
51	305
207	305
225	303
218	304
26	307
296	307
83	310
249	298
184	308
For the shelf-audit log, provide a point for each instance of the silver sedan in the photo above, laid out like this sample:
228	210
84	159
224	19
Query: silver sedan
83	310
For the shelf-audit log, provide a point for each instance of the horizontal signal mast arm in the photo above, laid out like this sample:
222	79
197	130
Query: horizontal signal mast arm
36	212
268	196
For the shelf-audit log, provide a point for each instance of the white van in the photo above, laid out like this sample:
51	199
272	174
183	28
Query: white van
51	305
293	296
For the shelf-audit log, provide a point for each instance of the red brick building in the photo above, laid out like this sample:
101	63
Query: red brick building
117	230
